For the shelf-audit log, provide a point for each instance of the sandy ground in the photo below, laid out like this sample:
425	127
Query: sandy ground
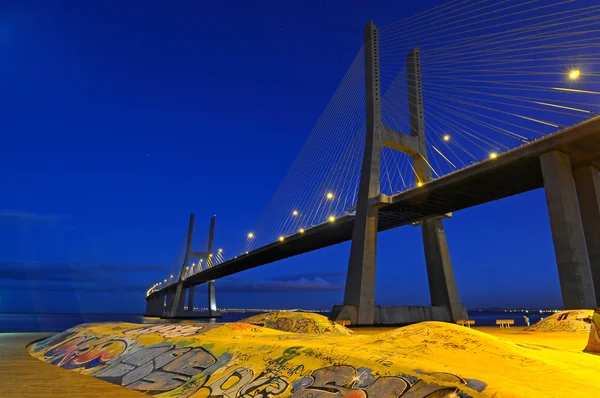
556	340
22	376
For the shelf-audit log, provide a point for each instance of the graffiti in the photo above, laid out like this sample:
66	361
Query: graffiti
288	354
564	321
246	361
239	383
344	381
160	368
84	351
167	331
52	341
298	322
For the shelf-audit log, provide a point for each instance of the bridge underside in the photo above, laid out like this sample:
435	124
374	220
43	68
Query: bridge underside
512	173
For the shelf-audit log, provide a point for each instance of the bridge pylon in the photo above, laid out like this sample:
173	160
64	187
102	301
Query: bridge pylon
175	295
359	297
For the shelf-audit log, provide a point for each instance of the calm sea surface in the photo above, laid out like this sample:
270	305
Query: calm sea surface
60	322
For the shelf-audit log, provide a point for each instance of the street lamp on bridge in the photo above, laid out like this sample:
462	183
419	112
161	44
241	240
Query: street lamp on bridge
574	74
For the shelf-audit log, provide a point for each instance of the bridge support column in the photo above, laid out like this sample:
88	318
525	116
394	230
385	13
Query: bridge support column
170	297
160	304
212	298
587	184
359	296
151	306
179	292
567	232
442	285
191	297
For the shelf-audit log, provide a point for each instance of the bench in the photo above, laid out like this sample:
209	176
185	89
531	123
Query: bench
343	322
465	322
505	323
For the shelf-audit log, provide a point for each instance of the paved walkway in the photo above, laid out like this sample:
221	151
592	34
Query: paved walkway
22	376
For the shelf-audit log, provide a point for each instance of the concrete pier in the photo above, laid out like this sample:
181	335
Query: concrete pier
442	285
155	305
191	298
587	183
212	298
567	232
170	298
359	296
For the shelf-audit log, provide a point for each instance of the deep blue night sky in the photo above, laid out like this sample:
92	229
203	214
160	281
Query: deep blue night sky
119	118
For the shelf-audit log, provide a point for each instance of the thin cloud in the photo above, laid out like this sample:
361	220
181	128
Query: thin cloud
80	287
71	272
312	275
9	217
302	284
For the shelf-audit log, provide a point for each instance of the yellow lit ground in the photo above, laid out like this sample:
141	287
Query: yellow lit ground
518	334
248	360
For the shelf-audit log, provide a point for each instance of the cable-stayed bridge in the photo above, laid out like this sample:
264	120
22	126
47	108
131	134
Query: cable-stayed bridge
467	103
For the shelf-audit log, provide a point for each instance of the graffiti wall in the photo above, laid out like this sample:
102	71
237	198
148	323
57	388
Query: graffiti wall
244	360
564	321
298	322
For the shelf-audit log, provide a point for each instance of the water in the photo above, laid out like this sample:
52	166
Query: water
60	322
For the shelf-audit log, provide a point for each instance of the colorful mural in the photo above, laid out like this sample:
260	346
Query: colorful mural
593	345
244	360
429	359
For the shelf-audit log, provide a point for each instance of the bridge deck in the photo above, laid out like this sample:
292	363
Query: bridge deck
512	173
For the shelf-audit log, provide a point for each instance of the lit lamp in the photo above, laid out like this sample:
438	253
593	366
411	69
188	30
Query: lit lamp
574	74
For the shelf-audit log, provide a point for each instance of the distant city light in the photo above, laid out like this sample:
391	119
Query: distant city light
281	238
331	218
329	195
493	155
301	230
250	235
295	212
446	137
574	74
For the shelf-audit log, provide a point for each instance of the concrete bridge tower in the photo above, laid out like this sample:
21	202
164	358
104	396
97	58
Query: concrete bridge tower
359	298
